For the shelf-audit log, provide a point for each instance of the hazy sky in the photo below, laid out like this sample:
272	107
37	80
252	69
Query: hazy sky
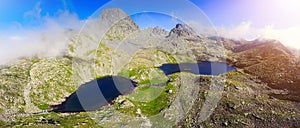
23	22
279	13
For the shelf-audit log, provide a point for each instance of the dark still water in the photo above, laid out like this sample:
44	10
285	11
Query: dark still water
205	68
97	93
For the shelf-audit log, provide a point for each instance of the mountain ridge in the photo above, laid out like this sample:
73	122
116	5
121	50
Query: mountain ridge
271	62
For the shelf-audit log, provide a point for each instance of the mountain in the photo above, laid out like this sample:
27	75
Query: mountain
245	103
228	44
184	31
114	45
31	85
122	24
271	62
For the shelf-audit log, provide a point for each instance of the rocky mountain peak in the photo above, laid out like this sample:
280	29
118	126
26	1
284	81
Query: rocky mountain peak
184	31
120	24
159	31
183	27
112	15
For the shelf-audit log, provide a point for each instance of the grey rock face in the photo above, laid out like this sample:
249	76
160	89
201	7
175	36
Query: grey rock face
112	15
184	31
121	23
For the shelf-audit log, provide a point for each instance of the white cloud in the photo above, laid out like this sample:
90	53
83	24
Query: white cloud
50	38
14	38
241	31
287	36
34	13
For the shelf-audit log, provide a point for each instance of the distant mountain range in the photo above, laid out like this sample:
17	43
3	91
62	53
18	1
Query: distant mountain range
271	62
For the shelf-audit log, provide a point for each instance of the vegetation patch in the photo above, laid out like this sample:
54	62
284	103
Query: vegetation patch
146	94
80	120
144	75
149	100
43	106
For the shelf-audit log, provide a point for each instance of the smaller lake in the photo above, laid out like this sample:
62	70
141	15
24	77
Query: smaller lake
99	92
204	68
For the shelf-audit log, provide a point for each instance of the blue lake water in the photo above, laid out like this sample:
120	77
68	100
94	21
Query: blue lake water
204	68
96	93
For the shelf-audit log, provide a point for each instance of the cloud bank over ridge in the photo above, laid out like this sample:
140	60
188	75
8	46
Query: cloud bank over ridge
287	36
49	37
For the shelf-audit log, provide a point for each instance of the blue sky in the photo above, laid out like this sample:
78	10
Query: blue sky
220	12
40	24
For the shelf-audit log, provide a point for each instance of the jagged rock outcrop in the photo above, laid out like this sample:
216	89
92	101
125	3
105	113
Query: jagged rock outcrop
184	31
121	24
159	31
